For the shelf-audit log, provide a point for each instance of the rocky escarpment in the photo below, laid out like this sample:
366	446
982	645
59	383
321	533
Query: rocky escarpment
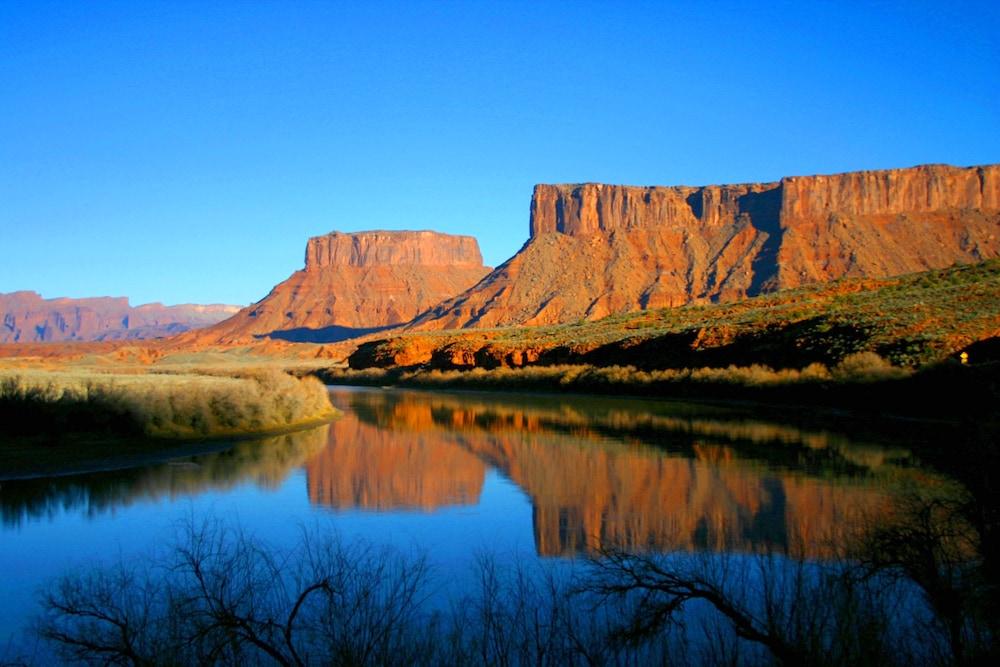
25	317
358	282
600	249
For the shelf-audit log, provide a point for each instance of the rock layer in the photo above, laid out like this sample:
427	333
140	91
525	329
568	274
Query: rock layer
25	317
353	283
600	249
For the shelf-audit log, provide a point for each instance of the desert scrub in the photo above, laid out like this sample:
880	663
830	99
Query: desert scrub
868	365
912	320
158	405
596	377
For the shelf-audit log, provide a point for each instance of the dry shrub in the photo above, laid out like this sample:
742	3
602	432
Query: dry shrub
168	406
866	367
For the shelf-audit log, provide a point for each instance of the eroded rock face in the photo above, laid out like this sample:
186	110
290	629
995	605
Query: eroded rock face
354	283
386	248
600	249
25	317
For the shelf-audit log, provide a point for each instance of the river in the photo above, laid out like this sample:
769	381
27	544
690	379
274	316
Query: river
459	474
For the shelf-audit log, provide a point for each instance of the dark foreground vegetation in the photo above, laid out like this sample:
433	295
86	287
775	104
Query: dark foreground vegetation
39	404
908	589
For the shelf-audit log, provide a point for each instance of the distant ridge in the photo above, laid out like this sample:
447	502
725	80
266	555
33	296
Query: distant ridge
25	317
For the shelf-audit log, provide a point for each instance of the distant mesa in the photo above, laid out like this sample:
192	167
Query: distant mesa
357	283
595	249
25	317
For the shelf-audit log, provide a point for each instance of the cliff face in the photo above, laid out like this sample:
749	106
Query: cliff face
353	283
599	249
25	317
379	248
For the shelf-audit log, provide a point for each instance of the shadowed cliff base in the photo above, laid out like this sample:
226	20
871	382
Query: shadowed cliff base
331	334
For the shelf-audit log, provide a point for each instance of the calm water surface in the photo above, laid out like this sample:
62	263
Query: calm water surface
455	475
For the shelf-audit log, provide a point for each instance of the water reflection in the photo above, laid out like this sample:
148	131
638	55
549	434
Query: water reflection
596	471
266	462
648	474
365	466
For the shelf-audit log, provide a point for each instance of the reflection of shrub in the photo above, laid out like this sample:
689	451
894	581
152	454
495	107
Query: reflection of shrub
170	406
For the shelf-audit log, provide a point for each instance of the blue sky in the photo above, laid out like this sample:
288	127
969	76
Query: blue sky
184	151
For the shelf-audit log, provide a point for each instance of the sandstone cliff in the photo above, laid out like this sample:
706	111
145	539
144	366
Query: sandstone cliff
25	317
599	249
358	282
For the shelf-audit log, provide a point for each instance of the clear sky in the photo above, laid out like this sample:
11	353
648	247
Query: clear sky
185	151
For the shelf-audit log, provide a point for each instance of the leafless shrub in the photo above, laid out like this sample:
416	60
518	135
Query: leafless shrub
221	597
904	591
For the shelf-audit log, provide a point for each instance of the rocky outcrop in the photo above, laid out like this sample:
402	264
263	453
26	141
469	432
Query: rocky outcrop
25	317
354	283
600	249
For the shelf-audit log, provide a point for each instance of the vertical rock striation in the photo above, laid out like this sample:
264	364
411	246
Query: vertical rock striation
354	283
600	249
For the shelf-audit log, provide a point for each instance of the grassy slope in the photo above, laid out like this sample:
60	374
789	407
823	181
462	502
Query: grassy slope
911	320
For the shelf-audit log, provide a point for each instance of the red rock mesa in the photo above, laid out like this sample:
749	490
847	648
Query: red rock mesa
356	282
600	249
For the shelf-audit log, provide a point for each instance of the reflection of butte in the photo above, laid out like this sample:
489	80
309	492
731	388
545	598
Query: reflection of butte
587	491
367	467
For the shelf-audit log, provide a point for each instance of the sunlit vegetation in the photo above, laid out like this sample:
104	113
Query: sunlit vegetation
861	380
858	367
910	321
159	405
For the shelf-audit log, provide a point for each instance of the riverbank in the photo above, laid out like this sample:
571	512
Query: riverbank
50	405
861	383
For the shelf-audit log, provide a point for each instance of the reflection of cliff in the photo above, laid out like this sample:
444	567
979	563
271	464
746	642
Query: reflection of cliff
640	478
635	497
267	462
367	467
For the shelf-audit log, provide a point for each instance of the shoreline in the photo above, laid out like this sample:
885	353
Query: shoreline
143	451
720	402
943	394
